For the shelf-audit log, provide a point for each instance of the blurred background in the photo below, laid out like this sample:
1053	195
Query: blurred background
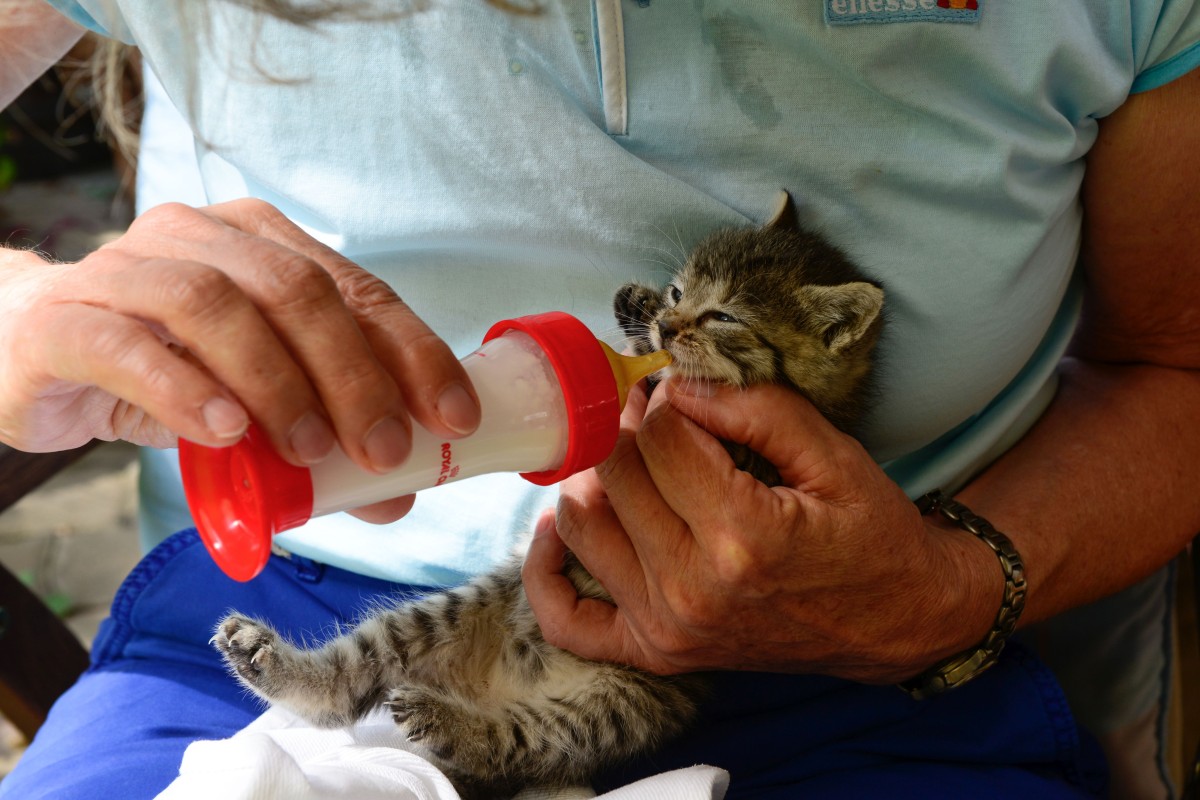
65	191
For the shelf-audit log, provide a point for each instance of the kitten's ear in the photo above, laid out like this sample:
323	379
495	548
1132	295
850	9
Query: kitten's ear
784	218
843	314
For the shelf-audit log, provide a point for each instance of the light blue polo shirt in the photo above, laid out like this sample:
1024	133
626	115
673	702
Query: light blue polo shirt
490	165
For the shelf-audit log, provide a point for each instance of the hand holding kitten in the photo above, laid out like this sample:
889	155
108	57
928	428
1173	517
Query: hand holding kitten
834	572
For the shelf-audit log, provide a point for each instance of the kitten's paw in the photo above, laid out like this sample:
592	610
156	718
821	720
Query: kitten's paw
249	647
418	712
635	307
475	751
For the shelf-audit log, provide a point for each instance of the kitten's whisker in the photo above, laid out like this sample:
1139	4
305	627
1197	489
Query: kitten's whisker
676	259
679	239
668	269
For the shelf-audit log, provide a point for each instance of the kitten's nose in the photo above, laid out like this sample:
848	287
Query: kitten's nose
665	330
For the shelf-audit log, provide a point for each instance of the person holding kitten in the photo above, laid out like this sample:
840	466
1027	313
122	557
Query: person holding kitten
1017	180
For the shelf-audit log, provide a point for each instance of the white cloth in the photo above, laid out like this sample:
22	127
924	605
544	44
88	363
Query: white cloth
281	757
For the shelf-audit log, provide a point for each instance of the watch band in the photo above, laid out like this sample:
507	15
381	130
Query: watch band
957	670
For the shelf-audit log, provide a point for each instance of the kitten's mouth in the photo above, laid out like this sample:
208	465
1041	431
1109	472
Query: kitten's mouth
686	368
687	365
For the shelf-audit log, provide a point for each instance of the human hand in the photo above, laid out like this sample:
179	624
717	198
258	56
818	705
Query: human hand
835	572
197	321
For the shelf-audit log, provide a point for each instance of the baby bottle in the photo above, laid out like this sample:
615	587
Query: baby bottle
551	396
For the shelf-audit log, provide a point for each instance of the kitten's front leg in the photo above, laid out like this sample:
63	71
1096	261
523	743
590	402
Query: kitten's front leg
331	686
442	636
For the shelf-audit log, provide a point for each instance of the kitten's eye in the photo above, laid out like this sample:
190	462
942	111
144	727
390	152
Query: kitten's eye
721	316
674	294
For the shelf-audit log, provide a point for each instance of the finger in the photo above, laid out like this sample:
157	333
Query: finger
725	509
442	399
205	311
775	422
92	346
590	628
302	302
588	525
385	511
654	530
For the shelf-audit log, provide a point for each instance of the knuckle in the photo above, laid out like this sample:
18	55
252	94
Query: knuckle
624	461
734	564
365	293
253	214
424	349
667	646
177	220
296	285
167	214
566	512
257	207
198	292
361	384
571	516
692	610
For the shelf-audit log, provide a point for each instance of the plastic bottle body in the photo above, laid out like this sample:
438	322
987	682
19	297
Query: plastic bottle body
522	428
551	397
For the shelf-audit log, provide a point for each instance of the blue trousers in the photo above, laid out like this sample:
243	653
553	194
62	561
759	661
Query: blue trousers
155	685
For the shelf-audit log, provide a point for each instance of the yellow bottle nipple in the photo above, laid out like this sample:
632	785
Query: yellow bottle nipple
628	370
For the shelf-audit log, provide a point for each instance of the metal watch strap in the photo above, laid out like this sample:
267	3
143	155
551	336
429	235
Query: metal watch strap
957	670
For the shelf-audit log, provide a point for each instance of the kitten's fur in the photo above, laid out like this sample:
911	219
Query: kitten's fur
777	304
466	671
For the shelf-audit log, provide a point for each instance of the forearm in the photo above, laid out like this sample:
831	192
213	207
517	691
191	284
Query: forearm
1102	491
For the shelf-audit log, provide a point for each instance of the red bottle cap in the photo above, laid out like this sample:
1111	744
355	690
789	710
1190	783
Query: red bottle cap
240	497
588	386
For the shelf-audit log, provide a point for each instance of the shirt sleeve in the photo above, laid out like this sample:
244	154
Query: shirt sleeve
1166	41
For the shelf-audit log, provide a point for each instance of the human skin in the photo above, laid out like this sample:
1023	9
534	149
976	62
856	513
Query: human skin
835	572
197	321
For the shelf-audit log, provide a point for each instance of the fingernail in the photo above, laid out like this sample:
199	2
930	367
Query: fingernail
311	438
225	418
458	409
387	444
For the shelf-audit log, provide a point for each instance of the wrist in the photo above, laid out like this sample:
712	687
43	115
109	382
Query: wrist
977	544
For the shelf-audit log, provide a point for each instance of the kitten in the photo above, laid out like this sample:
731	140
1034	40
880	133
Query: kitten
466	671
776	304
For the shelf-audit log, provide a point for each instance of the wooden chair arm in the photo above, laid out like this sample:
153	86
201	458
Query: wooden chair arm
39	656
21	473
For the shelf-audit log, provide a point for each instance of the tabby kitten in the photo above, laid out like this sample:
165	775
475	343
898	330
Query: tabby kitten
466	671
777	304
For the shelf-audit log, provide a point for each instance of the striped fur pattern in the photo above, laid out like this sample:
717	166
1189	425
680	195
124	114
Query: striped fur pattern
467	675
774	304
